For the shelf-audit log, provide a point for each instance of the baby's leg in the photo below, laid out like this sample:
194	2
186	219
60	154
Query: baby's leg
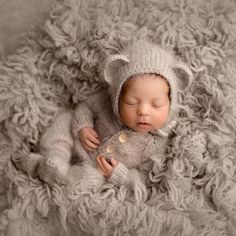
27	162
55	151
57	143
79	153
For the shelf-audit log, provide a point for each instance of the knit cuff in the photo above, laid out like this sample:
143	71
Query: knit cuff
61	166
120	175
79	123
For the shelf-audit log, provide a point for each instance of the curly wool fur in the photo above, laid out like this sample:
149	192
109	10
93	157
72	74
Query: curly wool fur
191	190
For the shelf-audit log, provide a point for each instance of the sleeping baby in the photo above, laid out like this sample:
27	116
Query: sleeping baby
115	132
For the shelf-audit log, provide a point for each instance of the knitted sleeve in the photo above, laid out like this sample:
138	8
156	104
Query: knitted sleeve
153	152
83	117
133	178
85	112
121	175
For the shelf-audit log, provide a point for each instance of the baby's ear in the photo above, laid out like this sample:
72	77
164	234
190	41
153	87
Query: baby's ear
112	66
184	75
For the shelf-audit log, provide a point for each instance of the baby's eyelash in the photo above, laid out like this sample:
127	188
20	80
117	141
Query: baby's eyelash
131	103
155	106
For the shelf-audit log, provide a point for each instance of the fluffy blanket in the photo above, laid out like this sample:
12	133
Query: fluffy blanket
192	189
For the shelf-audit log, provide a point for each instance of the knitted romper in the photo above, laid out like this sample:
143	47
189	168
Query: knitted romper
100	111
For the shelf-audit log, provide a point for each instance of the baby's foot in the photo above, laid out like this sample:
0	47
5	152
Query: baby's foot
27	162
51	174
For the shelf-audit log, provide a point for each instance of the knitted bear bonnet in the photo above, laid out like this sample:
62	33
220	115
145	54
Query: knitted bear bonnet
144	57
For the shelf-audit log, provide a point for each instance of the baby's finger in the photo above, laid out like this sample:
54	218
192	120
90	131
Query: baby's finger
108	168
98	159
114	162
91	145
83	144
94	139
94	133
87	147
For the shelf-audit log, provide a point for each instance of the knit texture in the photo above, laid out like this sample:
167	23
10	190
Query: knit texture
96	106
124	145
120	175
141	58
190	189
132	148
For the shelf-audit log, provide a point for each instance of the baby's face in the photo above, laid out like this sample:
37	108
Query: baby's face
144	103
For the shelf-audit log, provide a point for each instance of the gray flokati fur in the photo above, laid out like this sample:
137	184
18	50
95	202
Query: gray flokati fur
192	188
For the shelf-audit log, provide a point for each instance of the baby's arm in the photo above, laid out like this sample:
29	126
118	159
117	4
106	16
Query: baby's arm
118	174
83	117
83	122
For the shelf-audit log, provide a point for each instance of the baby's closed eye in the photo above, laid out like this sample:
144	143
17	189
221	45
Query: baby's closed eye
157	105
130	101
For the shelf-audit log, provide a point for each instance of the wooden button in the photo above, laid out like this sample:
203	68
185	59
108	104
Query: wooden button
123	138
110	148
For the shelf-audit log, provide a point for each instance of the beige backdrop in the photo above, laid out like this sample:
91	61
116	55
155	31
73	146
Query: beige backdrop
16	16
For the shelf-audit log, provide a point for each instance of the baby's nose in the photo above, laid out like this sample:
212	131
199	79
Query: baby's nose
143	110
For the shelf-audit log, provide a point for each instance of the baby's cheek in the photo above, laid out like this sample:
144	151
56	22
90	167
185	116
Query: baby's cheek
161	118
126	113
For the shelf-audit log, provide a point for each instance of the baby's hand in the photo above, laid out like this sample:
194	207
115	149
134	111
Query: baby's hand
89	138
105	167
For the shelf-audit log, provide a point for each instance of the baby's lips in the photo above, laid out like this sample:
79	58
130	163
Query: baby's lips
143	122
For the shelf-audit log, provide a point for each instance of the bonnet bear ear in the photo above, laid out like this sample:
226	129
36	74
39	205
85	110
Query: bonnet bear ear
112	66
184	75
